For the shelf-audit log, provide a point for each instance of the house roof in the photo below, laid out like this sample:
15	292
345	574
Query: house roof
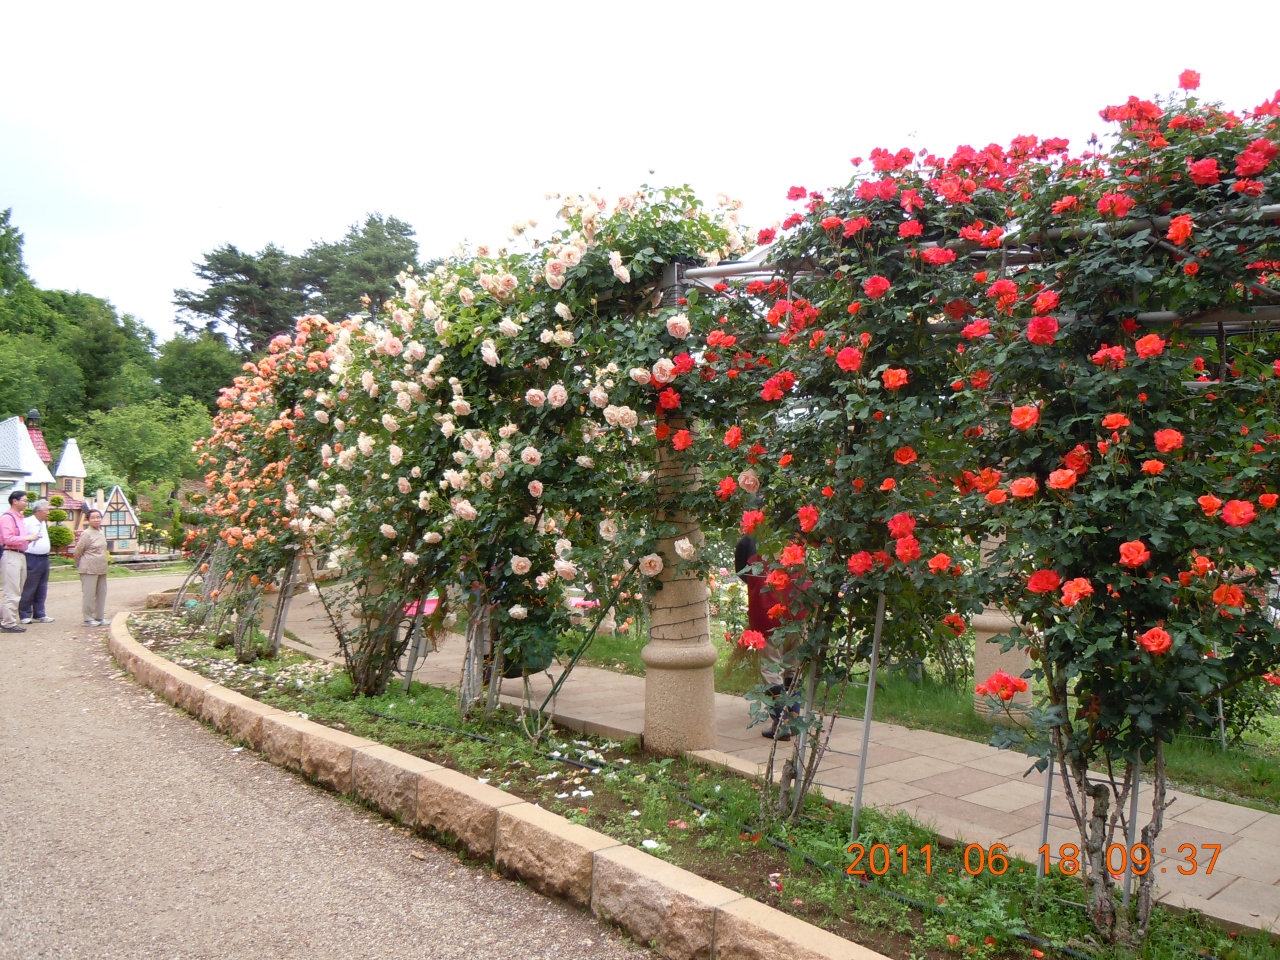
28	458
37	441
19	455
123	501
71	464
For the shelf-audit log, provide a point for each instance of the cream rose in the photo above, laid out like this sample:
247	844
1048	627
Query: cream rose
685	549
521	565
535	397
748	481
678	326
558	396
651	565
531	456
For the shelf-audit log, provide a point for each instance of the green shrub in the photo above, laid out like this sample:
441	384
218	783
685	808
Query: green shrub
57	516
60	537
56	501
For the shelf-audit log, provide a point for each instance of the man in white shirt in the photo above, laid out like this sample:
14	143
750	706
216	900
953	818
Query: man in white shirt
31	606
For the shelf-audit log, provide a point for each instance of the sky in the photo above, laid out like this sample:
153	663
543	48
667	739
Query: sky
135	137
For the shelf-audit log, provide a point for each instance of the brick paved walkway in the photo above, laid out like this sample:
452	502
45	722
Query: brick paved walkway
966	790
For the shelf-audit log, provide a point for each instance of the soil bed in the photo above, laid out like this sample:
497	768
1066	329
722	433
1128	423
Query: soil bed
647	803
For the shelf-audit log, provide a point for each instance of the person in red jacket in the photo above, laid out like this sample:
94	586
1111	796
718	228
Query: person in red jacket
760	599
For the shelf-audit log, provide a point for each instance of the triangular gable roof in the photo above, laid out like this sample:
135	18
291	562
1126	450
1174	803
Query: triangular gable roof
10	455
133	517
28	460
37	441
37	472
71	463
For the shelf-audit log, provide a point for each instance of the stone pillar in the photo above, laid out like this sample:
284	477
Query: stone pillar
988	658
679	687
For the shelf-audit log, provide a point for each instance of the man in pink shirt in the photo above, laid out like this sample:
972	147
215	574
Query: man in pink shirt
13	567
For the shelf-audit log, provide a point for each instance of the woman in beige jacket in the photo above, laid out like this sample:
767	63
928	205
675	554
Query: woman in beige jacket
91	562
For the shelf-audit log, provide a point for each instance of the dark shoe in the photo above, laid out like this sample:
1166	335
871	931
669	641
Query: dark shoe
13	629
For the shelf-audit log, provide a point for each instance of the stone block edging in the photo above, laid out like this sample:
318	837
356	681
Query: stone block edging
681	915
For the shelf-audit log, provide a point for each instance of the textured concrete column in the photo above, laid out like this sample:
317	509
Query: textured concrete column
679	688
988	658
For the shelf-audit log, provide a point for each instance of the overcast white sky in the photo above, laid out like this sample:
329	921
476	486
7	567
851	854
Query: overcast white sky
135	137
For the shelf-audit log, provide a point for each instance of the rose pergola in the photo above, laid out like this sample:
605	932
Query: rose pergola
1070	358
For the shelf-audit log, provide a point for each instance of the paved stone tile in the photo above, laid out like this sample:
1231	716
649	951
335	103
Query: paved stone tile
1175	834
956	783
1224	817
1265	831
891	793
959	751
1026	841
1004	762
1259	900
1253	861
1008	796
985	821
912	768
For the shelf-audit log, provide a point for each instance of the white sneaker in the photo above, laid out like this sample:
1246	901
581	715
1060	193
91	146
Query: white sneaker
26	620
91	623
44	620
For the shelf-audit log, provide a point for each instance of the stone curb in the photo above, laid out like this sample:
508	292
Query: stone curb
678	913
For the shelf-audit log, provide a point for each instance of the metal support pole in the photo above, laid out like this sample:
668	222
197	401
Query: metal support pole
866	718
1222	721
810	690
1046	809
1132	831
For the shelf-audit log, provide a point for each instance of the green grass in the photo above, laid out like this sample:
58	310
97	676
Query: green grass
1247	775
63	573
947	912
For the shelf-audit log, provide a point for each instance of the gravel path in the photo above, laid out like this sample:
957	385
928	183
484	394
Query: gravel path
127	830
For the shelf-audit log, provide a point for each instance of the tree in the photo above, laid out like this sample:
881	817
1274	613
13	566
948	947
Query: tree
364	263
252	296
150	440
12	269
198	367
99	475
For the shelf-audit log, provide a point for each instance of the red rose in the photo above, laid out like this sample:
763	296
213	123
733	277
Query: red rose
1155	641
1268	500
831	223
905	455
662	431
726	489
1168	441
1115	203
1203	173
907	549
856	225
1062	479
766	235
875	287
978	328
792	555
751	519
1229	595
849	359
1045	301
996	497
797	193
894	378
808	517
901	525
936	256
981	379
1152	345
1026	417
956	623
1180	229
1024	487
683	440
1044	581
683	363
1042	330
1238	513
1188	79
1209	504
1065	204
752	640
733	437
668	399
1115	421
860	563
778	579
784	460
1152	467
910	228
1073	591
888	483
1133	554
939	563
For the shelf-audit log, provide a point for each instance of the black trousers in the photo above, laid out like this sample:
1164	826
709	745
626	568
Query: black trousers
37	585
